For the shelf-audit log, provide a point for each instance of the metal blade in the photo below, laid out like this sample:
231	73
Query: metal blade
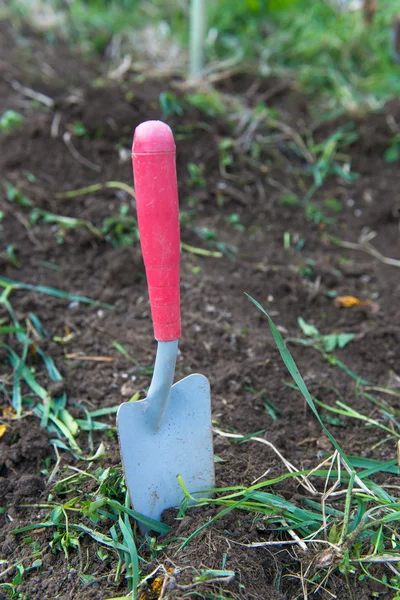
182	445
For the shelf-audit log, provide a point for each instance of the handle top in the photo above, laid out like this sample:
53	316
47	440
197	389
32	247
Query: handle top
153	137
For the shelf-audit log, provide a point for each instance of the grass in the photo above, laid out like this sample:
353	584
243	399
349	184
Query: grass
120	229
10	120
345	520
333	54
28	361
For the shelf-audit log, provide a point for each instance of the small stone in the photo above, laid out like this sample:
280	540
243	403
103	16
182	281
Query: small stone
128	389
367	196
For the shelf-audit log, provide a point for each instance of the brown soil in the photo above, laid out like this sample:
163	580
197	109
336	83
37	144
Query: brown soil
224	335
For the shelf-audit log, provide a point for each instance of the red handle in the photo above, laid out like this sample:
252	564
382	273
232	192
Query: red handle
154	171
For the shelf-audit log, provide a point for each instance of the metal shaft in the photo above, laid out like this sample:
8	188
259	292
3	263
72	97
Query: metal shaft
163	378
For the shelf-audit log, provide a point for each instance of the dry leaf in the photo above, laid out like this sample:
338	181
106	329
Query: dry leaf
3	429
348	301
8	412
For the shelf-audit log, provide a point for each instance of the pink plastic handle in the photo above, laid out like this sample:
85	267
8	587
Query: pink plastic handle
154	172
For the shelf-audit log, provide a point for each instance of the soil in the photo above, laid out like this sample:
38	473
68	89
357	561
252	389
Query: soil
224	335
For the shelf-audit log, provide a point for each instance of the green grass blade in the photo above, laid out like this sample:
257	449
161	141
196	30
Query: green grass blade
43	410
133	555
18	363
40	329
103	411
96	535
51	368
275	501
147	521
371	466
10	329
90	425
222	513
336	362
42	289
294	372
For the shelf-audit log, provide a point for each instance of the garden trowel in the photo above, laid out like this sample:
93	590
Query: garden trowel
169	433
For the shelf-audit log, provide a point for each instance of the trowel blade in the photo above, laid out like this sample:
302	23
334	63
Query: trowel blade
152	457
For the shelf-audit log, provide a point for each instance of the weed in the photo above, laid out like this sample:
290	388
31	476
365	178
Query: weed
392	154
196	175
290	200
234	220
121	230
10	121
333	205
328	343
13	194
10	255
170	105
209	103
328	158
313	212
64	224
80	130
226	159
210	236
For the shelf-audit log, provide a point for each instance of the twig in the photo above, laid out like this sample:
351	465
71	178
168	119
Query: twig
81	159
122	68
220	76
303	583
382	390
56	466
55	124
28	228
151	575
17	215
296	538
379	558
223	69
232	192
300	478
279	186
96	187
365	246
29	93
260	477
296	576
276	89
291	133
10	568
90	358
201	251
